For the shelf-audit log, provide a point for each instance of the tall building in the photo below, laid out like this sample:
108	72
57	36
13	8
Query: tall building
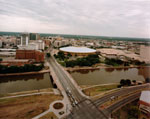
34	36
24	39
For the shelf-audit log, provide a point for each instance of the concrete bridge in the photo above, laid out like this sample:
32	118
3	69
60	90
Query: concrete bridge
83	108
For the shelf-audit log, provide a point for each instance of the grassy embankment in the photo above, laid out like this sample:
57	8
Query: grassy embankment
26	107
99	89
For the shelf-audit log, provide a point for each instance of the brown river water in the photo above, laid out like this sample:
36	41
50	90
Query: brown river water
109	75
12	84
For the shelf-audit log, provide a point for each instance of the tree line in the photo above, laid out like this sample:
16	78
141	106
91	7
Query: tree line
18	69
84	61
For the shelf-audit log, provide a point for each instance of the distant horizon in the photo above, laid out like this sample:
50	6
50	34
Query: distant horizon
76	34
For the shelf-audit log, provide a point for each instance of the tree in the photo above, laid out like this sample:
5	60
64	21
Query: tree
133	112
134	81
128	82
122	82
147	80
69	55
48	54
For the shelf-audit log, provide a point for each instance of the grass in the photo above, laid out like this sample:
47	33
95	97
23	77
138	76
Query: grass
26	107
99	89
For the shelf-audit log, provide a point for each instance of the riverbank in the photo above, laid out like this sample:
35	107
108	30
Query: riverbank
99	89
27	92
71	69
25	73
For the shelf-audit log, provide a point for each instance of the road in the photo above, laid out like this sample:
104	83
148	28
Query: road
122	102
82	107
121	92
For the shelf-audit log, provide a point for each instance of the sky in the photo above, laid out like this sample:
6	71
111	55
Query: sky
123	18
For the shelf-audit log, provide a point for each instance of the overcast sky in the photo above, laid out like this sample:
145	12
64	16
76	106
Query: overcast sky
127	18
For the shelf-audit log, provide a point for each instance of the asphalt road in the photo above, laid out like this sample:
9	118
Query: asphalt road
121	92
123	102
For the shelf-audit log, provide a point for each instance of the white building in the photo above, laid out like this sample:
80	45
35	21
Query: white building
24	39
80	51
31	46
89	44
145	103
60	43
37	45
41	44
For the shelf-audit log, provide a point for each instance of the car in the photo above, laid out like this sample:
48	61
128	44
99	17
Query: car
112	98
76	102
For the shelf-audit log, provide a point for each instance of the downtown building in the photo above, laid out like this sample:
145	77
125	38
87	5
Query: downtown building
35	55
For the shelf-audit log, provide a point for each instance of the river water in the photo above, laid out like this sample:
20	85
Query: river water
82	77
109	75
24	83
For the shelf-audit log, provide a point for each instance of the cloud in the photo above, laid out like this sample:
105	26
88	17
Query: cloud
130	18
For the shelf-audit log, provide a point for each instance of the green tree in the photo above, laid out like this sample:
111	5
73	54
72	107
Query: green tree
69	55
122	82
134	81
48	54
147	80
128	82
133	112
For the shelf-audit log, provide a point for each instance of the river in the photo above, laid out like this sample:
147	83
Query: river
109	75
82	77
24	83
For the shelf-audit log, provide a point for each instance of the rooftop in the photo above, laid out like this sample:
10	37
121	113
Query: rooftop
145	96
77	49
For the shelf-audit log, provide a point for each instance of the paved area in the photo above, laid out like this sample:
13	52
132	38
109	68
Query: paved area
65	110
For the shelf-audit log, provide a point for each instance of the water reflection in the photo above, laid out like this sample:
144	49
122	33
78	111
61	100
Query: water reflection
24	83
84	71
109	69
25	78
109	75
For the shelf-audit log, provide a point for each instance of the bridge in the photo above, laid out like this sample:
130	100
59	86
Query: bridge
83	107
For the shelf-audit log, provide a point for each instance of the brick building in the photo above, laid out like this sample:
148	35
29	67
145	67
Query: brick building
38	56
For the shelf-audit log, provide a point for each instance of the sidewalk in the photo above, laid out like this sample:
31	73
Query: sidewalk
24	95
65	110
